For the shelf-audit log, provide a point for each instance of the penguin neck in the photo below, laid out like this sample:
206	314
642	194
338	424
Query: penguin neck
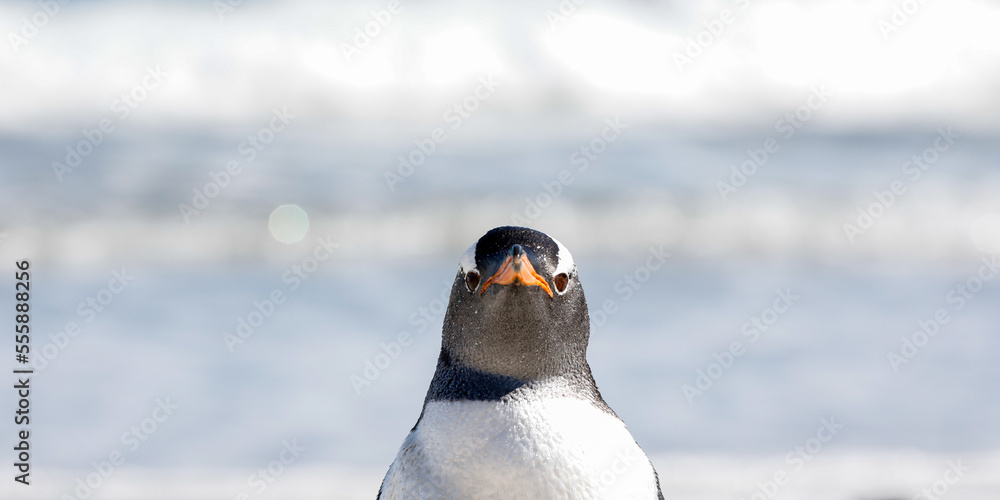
455	381
524	351
518	334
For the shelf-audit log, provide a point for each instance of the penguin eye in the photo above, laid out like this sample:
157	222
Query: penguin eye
561	280
472	280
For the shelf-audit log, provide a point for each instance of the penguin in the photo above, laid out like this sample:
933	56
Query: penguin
513	410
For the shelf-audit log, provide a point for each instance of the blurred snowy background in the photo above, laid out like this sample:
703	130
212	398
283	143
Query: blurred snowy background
824	175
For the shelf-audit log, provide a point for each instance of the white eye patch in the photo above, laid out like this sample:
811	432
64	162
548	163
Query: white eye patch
468	261
565	262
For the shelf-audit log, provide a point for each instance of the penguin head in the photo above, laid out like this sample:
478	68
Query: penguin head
517	308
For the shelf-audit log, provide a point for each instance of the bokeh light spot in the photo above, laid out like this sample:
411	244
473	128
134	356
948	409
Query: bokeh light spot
288	224
986	233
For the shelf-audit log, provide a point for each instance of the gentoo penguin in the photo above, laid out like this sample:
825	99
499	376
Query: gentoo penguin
513	410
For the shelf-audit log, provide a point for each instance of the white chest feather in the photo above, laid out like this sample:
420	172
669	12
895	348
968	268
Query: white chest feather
541	448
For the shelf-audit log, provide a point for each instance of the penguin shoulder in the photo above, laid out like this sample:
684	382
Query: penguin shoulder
538	441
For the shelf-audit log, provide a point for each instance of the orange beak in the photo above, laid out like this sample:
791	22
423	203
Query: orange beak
517	269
